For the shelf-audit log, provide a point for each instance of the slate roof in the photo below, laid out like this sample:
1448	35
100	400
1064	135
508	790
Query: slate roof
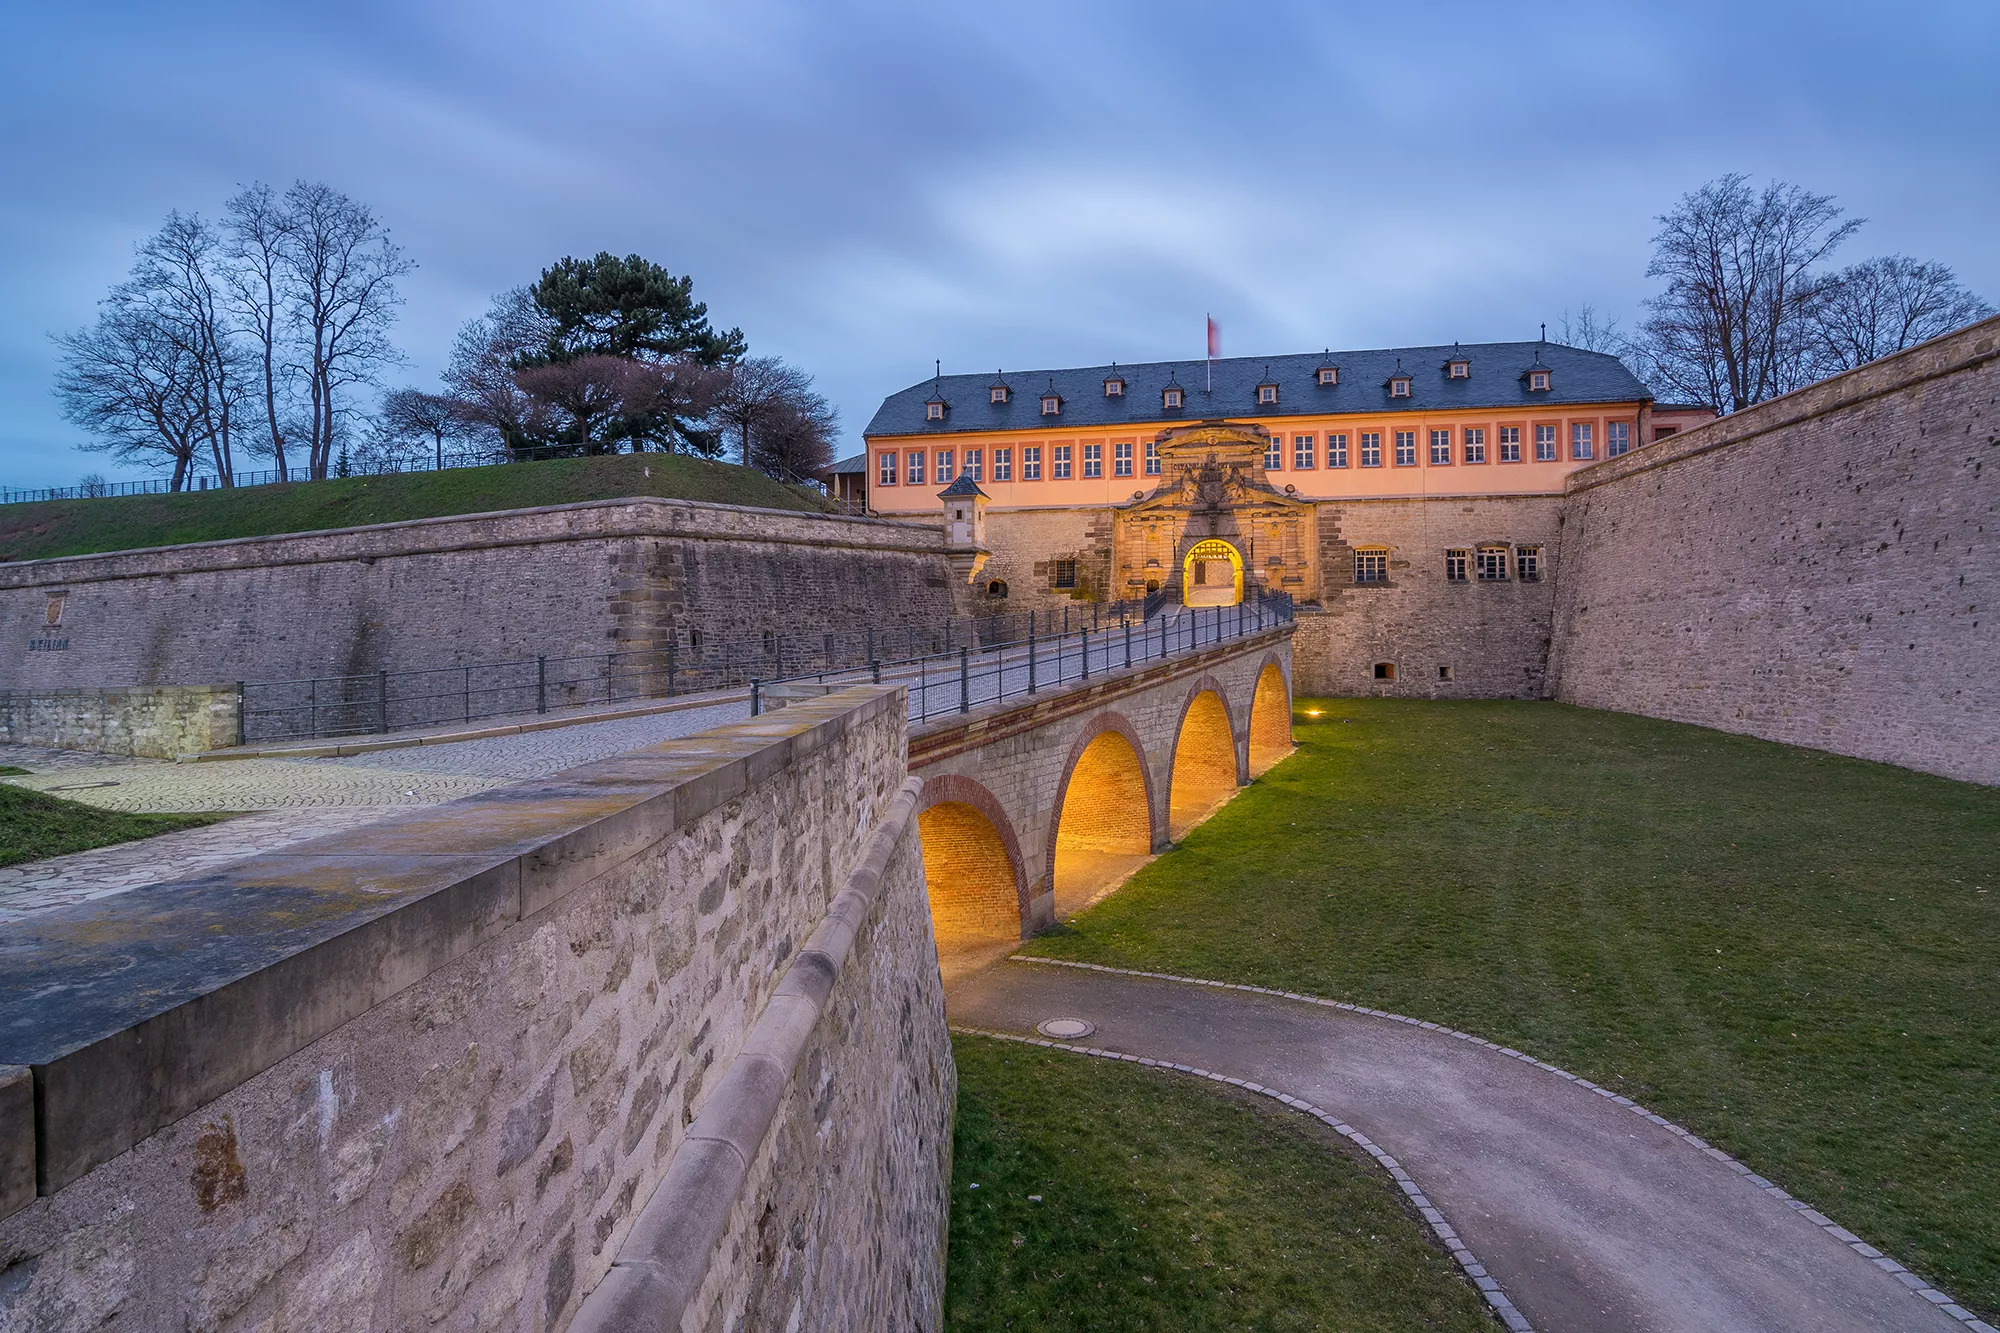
962	485
858	463
1577	377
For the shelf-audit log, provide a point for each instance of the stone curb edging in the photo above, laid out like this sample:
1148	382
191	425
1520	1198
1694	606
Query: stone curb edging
1916	1285
1509	1315
664	1260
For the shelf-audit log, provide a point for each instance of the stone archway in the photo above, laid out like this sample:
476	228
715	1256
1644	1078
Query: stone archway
1204	774
1101	829
1212	574
972	873
1270	719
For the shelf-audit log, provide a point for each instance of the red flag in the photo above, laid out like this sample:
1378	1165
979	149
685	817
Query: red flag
1214	337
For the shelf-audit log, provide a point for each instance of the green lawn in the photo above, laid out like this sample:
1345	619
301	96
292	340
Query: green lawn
1794	954
33	825
1106	1197
77	527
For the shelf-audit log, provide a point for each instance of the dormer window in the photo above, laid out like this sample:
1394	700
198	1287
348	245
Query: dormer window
1051	405
1267	393
1459	370
1171	396
1538	381
1114	387
934	411
1399	386
997	394
1329	374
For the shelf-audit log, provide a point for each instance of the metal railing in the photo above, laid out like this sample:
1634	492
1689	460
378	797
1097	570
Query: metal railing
318	707
957	681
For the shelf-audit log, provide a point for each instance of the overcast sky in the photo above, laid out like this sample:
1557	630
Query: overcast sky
863	188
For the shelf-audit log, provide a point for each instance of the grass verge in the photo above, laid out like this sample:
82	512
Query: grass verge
33	825
1167	1204
1790	952
120	523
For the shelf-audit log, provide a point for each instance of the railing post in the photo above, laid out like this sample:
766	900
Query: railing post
241	722
382	701
1031	657
964	679
1086	654
542	684
1093	613
1065	620
829	650
672	648
1128	643
756	702
312	706
468	694
871	654
875	665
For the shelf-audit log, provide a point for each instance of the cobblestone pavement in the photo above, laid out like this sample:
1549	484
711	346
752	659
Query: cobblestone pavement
295	799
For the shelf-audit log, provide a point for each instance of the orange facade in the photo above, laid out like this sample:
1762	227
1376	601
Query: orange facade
1346	456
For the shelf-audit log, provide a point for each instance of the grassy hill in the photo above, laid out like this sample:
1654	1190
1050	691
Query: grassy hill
80	527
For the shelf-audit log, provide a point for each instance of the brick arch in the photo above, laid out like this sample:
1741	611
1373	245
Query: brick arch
1264	743
957	789
1108	722
1204	685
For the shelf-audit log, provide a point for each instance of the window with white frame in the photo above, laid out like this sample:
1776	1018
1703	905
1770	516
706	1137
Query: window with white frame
887	474
1538	380
1093	460
1152	458
1059	469
1492	563
1114	388
934	411
1545	444
1267	393
1473	443
997	394
1329	375
1371	448
1441	448
1528	563
944	473
1031	462
1121	459
1371	564
1460	370
1580	443
1274	454
1455	565
1170	399
1051	405
1617	438
974	464
1510	444
1399	387
1406	448
1302	452
1336	449
1003	465
916	467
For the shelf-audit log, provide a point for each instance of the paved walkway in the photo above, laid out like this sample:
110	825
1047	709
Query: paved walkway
1588	1216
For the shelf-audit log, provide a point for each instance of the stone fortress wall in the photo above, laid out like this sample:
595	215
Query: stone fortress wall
604	576
1822	569
672	1017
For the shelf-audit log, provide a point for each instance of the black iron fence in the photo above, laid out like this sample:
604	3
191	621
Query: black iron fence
980	672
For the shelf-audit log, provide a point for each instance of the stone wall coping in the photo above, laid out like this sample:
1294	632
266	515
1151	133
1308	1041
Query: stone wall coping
659	1269
1947	354
586	520
136	1010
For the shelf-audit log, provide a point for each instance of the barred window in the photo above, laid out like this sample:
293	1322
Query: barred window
1061	462
1617	438
1003	465
1274	454
1475	444
1302	452
1455	563
974	464
1031	462
1065	573
1093	460
1528	563
1406	448
1371	448
887	475
1152	459
1336	450
1371	565
1441	448
916	467
1510	444
1121	459
1545	444
1492	563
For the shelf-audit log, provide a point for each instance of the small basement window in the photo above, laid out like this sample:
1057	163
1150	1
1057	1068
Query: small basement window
1065	574
996	588
1444	673
1371	566
1385	671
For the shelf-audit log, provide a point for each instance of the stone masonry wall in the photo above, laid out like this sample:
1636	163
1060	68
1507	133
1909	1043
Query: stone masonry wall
469	1152
1821	569
614	575
1494	636
151	721
1026	543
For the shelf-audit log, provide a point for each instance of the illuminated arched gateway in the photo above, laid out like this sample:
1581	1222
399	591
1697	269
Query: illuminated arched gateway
1214	529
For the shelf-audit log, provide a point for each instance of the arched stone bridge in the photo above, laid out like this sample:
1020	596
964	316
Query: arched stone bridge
1034	807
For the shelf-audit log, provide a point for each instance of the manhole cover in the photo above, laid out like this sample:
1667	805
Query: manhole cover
1065	1029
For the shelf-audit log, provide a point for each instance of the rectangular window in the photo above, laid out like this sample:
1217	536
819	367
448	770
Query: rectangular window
1152	459
1545	444
975	460
1579	439
1093	460
887	476
1371	448
1302	452
916	467
1475	444
1371	566
1492	563
944	474
1617	438
1455	563
1528	563
1274	454
1336	450
1406	448
1060	470
1065	576
1121	459
1441	448
1031	462
1003	465
1510	444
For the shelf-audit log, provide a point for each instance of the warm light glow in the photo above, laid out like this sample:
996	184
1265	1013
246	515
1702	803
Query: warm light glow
1312	712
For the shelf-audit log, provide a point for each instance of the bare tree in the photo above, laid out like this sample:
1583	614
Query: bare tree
411	416
1883	305
480	374
581	400
259	233
1733	326
340	271
758	388
1590	332
176	284
794	441
132	385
